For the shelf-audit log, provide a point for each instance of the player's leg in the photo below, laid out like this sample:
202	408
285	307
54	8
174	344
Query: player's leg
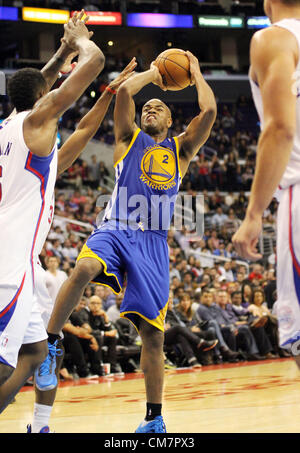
17	362
152	361
30	356
67	299
288	269
145	305
44	402
71	292
152	365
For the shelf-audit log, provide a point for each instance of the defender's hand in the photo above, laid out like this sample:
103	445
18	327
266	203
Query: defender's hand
246	238
125	74
76	30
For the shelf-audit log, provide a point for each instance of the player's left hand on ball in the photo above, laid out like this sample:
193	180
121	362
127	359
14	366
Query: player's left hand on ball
124	75
158	80
194	67
246	238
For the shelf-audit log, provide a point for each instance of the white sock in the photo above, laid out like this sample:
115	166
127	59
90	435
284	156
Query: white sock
41	416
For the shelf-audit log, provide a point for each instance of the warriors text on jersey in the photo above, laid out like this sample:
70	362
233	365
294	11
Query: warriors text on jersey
147	183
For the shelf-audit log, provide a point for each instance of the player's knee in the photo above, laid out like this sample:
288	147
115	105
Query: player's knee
85	270
153	338
35	353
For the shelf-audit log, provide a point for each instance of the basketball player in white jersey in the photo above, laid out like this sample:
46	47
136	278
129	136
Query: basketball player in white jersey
274	76
28	168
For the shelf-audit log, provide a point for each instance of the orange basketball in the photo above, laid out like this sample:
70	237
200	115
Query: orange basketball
174	67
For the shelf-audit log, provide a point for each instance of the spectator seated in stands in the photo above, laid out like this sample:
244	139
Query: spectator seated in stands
227	318
219	218
256	274
259	308
256	324
95	321
207	312
81	346
192	344
106	295
105	331
129	342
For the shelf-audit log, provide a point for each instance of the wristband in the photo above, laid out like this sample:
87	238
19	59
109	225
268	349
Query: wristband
61	73
110	90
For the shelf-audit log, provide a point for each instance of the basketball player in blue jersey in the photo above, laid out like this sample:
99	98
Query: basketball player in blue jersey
275	82
149	167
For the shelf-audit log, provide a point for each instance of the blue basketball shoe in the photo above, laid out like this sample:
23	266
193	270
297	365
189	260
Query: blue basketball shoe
154	426
44	430
45	377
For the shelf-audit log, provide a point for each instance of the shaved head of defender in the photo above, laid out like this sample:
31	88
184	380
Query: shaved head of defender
270	7
156	117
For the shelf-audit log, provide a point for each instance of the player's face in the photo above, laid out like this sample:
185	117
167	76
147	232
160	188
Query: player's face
155	117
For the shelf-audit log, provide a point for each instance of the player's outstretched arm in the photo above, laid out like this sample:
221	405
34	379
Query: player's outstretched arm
199	128
61	61
274	56
91	122
41	123
124	112
90	63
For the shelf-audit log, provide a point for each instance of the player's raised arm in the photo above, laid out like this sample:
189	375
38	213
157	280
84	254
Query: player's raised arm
199	128
62	59
41	123
124	112
90	63
91	122
60	62
274	55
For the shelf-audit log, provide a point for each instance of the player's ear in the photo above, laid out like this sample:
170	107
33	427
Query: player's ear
169	122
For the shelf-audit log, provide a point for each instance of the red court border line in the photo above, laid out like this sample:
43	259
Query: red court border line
131	376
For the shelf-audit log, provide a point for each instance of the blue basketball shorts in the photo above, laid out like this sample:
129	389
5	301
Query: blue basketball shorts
143	257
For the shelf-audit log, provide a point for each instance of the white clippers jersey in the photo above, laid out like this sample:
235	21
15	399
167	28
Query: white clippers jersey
26	200
292	172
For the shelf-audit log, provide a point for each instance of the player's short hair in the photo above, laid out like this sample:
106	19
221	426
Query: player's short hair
24	88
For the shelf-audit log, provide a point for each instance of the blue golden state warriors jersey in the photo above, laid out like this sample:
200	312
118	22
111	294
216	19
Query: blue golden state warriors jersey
147	180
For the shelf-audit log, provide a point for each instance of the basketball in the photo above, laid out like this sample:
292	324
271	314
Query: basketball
174	67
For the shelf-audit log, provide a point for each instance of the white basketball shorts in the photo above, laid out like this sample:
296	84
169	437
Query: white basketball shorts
288	265
20	316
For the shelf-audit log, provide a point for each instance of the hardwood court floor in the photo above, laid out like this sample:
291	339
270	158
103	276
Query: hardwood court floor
249	397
